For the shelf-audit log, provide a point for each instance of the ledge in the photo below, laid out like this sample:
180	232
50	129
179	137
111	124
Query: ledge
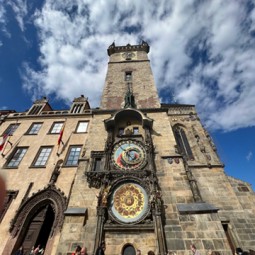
196	208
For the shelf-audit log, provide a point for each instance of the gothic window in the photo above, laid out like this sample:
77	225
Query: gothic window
34	128
182	142
56	127
82	127
42	156
77	108
11	129
35	109
73	155
128	76
16	157
10	195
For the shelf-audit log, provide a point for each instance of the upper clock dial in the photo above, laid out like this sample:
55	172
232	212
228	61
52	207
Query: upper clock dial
129	155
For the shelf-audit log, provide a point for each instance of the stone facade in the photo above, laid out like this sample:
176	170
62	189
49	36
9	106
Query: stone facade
168	161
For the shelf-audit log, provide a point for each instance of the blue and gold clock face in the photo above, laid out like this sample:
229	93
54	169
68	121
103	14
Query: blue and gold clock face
129	155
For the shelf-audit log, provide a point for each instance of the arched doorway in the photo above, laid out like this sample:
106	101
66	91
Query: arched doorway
37	221
128	249
39	229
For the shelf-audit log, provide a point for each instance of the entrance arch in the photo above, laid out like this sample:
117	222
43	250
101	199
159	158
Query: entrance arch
37	220
128	249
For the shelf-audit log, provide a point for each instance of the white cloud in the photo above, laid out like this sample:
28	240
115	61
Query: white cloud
202	50
249	156
19	7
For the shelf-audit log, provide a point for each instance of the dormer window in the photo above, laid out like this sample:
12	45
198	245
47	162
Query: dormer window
35	110
77	108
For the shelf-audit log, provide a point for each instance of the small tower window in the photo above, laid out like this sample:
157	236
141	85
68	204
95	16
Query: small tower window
128	76
121	131
135	130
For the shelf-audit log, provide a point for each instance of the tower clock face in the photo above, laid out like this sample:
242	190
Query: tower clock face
129	203
129	155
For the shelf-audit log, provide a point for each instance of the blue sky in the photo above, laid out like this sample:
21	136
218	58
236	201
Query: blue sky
202	53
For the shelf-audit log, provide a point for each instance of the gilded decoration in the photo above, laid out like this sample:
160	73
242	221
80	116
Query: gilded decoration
129	202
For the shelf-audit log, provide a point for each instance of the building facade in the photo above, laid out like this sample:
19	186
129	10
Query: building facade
133	173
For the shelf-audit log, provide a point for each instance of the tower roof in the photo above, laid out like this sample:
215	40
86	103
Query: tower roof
144	46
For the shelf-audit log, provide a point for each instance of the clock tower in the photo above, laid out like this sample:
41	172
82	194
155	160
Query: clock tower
129	70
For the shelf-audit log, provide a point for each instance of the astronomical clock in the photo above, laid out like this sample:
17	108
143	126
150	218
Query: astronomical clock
129	155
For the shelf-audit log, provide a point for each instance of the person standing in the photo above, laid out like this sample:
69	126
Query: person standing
151	253
101	249
84	251
194	249
19	251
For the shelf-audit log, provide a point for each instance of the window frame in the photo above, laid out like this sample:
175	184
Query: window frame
128	76
13	127
53	125
10	158
38	155
31	127
69	153
77	126
182	142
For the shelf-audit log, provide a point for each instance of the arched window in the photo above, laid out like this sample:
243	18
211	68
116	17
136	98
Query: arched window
128	249
182	142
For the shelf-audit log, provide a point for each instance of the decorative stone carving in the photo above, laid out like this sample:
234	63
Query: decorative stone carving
49	195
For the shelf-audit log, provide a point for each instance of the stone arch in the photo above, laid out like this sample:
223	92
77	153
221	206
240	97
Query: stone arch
128	113
49	196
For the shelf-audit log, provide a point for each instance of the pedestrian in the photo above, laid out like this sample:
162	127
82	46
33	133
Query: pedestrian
77	250
20	251
138	252
101	249
36	250
32	251
84	251
194	249
151	253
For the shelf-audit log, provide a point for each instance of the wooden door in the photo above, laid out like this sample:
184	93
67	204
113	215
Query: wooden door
34	229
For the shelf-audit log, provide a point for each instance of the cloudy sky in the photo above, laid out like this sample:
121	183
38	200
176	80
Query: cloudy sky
202	53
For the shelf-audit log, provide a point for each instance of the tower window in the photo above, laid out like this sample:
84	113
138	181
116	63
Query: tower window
182	142
128	76
135	130
121	131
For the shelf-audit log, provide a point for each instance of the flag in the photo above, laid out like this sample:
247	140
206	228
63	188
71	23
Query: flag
61	134
4	138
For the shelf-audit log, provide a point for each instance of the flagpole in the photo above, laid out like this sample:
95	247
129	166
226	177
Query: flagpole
60	136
